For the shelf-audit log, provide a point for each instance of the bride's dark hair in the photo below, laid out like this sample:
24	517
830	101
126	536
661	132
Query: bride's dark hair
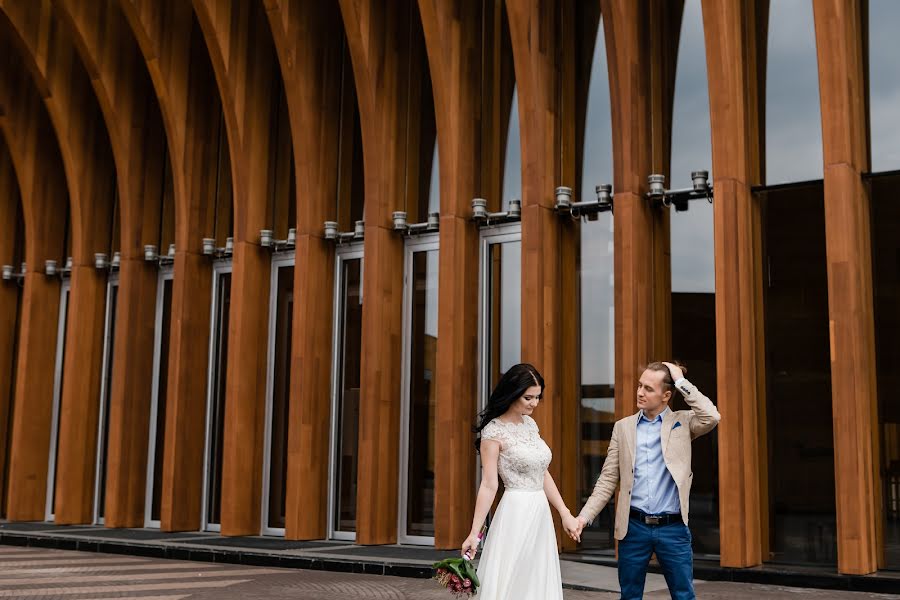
512	386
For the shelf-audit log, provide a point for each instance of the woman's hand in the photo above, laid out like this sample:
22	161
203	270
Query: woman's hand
572	526
470	547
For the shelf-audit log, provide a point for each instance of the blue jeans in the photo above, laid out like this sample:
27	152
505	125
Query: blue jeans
672	545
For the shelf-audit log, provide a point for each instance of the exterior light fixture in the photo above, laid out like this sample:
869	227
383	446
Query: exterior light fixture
171	253
680	199
8	272
209	246
403	227
339	237
399	218
49	268
116	260
484	218
101	261
267	240
68	266
150	253
229	246
565	206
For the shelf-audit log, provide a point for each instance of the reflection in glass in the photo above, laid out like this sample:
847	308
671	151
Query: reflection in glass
57	395
798	377
423	297
504	322
216	407
884	84
793	121
278	444
162	386
512	166
597	406
693	268
886	271
347	396
109	341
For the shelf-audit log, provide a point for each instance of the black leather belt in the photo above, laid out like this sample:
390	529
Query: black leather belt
664	519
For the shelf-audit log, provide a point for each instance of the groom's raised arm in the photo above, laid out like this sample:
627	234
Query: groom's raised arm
606	483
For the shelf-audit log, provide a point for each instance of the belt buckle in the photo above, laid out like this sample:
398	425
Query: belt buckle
651	520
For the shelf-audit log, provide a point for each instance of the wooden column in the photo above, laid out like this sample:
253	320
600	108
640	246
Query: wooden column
452	36
10	244
122	85
549	244
733	62
379	47
85	149
307	38
183	82
243	58
840	40
640	130
39	170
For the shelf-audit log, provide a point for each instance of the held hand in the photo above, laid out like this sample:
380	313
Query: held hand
470	547
674	370
572	526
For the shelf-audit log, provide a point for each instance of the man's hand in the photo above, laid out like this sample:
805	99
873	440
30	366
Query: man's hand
675	371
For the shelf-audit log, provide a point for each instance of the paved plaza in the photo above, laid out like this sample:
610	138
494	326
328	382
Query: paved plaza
62	574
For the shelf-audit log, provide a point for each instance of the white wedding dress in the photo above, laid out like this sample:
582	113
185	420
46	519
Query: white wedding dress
520	560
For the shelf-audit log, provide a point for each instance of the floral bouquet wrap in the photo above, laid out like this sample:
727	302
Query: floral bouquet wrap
458	574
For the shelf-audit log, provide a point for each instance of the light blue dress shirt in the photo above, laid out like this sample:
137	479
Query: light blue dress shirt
654	490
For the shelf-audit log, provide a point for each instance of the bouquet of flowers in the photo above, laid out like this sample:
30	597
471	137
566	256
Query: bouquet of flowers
458	574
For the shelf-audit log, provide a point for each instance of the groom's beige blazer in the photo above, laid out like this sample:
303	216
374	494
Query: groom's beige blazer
679	429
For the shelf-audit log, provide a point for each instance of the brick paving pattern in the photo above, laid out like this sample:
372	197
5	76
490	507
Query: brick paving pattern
43	574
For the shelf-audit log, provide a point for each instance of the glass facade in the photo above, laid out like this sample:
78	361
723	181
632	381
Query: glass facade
597	302
502	306
886	278
693	268
345	413
157	439
798	377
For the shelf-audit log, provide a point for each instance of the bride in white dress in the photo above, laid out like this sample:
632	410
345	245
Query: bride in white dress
520	559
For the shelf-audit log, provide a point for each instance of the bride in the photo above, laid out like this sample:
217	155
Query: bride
520	560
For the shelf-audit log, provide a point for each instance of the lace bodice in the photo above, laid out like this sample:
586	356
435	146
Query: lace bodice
524	456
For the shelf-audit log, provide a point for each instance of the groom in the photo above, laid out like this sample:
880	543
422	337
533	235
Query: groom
650	458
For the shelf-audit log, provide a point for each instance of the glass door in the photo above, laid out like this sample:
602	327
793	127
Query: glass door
345	384
501	304
420	324
281	313
112	294
57	392
215	404
157	437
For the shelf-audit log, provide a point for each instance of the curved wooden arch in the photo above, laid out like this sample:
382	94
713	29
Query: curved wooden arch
378	42
87	158
42	186
183	81
735	58
840	42
120	82
244	61
10	242
307	40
